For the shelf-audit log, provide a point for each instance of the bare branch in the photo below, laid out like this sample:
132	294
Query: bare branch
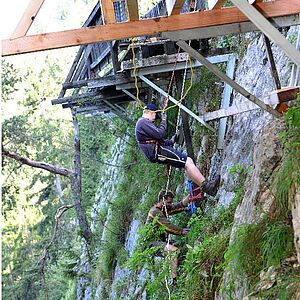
117	166
59	212
37	164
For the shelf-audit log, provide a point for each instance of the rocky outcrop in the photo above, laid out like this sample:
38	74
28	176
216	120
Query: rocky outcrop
295	207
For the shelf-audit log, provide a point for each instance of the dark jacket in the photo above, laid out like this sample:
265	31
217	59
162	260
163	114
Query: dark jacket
146	130
162	219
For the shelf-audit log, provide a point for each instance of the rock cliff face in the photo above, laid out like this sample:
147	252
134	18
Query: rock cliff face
251	141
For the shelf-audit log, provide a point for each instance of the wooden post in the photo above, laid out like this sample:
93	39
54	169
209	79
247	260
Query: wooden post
114	57
76	185
108	11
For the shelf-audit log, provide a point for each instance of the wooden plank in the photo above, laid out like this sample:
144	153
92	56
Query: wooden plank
225	78
110	80
284	94
174	6
179	66
268	29
213	4
27	18
82	97
120	99
144	27
108	11
133	10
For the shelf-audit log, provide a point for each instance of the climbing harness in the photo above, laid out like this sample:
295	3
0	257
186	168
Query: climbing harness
191	206
195	194
170	84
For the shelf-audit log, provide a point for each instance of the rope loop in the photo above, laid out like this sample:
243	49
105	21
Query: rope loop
170	83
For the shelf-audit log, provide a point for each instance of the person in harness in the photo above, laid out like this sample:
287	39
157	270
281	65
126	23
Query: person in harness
157	149
160	214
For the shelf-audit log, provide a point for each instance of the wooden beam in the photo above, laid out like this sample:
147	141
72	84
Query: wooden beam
236	28
174	6
133	10
179	66
144	27
109	81
226	79
284	94
108	11
27	18
213	4
268	29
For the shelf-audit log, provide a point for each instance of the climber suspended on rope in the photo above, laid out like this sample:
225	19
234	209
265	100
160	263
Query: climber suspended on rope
161	210
157	149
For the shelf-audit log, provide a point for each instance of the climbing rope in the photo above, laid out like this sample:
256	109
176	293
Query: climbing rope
182	96
172	76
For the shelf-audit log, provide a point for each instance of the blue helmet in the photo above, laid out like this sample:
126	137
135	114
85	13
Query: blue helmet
151	106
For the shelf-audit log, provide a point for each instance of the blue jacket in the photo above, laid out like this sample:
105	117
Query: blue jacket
146	130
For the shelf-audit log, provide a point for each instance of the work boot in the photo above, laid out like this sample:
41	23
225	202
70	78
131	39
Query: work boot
211	187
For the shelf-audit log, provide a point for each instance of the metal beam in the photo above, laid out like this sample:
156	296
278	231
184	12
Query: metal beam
162	92
235	28
131	95
225	78
268	29
272	62
226	101
230	111
119	112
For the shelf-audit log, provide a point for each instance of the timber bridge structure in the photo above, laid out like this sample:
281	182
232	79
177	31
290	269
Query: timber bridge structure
109	66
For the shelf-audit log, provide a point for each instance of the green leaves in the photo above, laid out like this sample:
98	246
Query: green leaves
277	243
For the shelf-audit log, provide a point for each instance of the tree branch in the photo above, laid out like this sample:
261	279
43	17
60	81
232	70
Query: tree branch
37	164
45	256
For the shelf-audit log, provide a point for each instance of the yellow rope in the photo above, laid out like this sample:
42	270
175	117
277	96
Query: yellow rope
137	88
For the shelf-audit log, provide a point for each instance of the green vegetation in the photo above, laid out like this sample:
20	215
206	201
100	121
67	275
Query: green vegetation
257	247
202	258
30	198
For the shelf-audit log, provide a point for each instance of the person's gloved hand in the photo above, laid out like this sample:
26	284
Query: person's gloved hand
185	231
165	102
